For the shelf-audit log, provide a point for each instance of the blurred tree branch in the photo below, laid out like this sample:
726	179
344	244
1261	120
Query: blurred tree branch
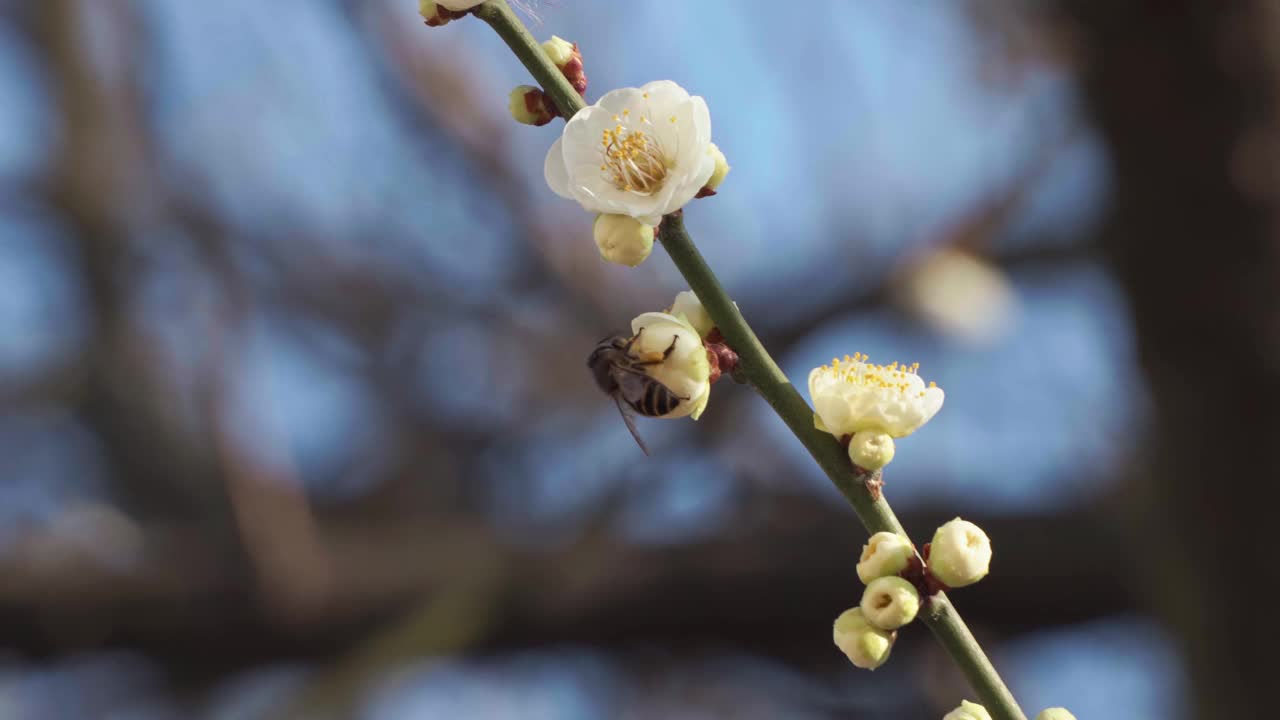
1188	97
755	584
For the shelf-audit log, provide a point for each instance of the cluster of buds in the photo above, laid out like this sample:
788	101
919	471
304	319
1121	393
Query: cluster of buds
897	579
866	633
530	105
441	12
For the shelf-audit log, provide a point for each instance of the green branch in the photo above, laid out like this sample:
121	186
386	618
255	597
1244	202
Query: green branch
768	379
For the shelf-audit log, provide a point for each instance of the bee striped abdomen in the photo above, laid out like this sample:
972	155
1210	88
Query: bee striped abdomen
658	400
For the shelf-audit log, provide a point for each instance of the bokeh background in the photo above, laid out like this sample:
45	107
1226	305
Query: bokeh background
294	418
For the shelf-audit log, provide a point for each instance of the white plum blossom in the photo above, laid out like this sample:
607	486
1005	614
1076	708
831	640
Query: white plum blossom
643	152
853	395
686	371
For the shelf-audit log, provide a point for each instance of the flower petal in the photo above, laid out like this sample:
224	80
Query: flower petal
554	170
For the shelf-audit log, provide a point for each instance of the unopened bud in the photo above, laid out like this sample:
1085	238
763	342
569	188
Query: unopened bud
1055	713
622	239
865	645
960	554
566	56
968	711
558	49
884	554
440	12
722	168
890	602
530	106
871	449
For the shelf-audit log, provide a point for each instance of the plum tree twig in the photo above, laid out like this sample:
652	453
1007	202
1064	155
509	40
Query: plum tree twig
760	370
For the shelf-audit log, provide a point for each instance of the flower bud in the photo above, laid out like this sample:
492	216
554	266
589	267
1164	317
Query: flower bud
440	12
688	305
1055	713
884	555
968	711
722	168
890	602
566	56
865	645
530	106
960	554
623	239
871	449
559	50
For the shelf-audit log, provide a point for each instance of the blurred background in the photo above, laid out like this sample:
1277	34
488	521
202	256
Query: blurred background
295	422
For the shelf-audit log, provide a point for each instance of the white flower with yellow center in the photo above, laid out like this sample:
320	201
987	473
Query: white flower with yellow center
685	371
853	395
643	152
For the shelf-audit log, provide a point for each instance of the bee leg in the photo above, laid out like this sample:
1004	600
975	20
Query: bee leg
632	341
670	348
665	354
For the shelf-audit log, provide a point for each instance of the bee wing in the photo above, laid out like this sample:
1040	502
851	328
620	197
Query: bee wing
632	383
631	423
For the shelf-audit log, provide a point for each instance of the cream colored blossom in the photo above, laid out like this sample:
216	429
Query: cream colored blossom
622	239
642	152
1055	713
853	395
865	645
960	553
685	371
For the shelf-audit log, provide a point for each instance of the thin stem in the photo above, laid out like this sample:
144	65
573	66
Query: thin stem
513	32
768	379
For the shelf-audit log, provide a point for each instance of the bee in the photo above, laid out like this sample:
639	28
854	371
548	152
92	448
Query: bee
621	376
